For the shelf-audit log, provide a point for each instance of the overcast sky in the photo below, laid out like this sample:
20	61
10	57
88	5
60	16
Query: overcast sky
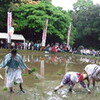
68	4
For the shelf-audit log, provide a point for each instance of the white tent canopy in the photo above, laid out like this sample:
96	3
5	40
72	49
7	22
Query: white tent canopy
13	37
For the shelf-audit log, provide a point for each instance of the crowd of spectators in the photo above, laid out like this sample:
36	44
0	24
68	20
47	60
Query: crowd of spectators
85	51
49	48
36	46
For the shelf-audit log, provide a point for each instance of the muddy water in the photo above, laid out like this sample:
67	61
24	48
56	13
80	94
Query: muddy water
49	73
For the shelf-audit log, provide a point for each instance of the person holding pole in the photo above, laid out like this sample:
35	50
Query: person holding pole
14	65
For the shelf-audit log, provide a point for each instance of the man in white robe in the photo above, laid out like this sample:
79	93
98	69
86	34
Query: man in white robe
14	65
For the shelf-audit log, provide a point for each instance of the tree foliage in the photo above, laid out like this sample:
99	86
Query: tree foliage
4	5
82	5
28	16
87	23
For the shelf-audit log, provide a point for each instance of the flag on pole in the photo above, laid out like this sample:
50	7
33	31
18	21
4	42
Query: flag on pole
68	35
9	22
10	29
44	35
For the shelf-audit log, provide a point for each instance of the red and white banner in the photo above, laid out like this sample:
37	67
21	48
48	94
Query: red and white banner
68	35
10	29
44	35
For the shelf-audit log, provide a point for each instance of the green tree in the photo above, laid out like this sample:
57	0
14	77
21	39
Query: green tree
87	23
82	5
8	5
31	19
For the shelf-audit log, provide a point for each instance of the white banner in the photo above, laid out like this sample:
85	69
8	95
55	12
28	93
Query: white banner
44	35
9	23
68	35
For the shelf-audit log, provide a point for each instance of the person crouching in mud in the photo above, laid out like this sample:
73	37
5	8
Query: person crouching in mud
71	78
14	66
93	72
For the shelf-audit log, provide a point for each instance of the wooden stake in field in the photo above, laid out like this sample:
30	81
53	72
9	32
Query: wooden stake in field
68	35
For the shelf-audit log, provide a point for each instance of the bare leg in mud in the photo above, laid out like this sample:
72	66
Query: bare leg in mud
70	89
93	81
21	89
71	85
88	79
11	90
